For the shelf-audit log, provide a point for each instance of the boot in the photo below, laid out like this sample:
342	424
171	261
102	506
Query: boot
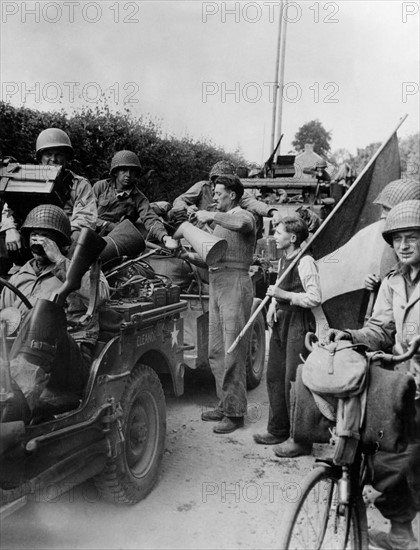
229	424
291	449
269	439
215	415
400	537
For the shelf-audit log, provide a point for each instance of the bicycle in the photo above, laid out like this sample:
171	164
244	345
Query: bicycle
330	512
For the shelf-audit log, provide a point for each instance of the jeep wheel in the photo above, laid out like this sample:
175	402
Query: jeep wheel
256	349
132	474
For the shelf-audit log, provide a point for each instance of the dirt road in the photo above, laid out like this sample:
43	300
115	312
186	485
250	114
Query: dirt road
214	492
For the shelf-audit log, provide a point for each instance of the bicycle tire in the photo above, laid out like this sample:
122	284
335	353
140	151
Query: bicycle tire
313	521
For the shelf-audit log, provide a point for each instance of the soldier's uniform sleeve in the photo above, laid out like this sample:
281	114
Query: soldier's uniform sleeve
81	206
191	197
146	216
100	188
379	331
253	205
7	219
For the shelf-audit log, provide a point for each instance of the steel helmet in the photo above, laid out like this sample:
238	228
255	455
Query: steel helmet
320	164
124	158
405	215
222	168
53	138
398	191
48	216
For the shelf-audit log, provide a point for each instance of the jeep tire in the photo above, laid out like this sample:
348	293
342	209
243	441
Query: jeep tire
255	359
132	474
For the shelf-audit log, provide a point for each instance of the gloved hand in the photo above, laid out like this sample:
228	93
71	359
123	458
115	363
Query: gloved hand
334	335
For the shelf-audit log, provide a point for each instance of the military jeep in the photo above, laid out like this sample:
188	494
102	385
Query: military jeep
115	434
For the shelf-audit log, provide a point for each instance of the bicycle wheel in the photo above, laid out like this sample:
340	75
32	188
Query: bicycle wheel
316	521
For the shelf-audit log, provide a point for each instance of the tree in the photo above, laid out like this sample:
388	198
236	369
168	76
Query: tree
313	132
363	156
410	155
339	156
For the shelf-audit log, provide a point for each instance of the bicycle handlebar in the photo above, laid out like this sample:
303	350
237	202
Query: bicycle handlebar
390	358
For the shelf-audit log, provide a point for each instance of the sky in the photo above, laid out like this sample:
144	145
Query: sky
207	69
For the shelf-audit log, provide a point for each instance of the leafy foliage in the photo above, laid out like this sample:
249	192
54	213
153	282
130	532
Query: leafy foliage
409	153
313	132
170	165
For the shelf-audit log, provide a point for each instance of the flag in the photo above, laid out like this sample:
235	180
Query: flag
349	244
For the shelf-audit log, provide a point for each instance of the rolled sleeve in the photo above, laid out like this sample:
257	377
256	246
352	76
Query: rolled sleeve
81	207
191	197
308	274
239	220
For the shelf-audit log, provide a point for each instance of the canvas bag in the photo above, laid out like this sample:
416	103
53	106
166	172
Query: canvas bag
338	369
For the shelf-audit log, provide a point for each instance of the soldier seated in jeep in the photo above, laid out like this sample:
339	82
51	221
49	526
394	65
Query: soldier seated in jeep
50	359
120	199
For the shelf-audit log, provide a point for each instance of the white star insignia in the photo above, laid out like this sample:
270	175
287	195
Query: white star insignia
174	335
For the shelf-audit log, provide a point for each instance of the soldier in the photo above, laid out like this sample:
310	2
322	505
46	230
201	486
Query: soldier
395	322
395	192
200	197
319	171
53	147
119	198
62	363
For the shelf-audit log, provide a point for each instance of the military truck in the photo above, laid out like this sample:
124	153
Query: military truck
292	183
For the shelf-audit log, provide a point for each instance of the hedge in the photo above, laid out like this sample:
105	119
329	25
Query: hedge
171	165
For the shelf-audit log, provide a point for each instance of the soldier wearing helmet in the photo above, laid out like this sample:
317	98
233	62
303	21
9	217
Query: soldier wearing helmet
319	171
119	198
47	229
395	323
53	147
395	192
200	197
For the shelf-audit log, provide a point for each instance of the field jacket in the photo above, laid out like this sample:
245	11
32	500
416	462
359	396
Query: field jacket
43	285
395	321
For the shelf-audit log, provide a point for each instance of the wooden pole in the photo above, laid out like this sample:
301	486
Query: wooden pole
317	232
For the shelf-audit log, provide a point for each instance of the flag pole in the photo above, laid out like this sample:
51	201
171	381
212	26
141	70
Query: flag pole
317	232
